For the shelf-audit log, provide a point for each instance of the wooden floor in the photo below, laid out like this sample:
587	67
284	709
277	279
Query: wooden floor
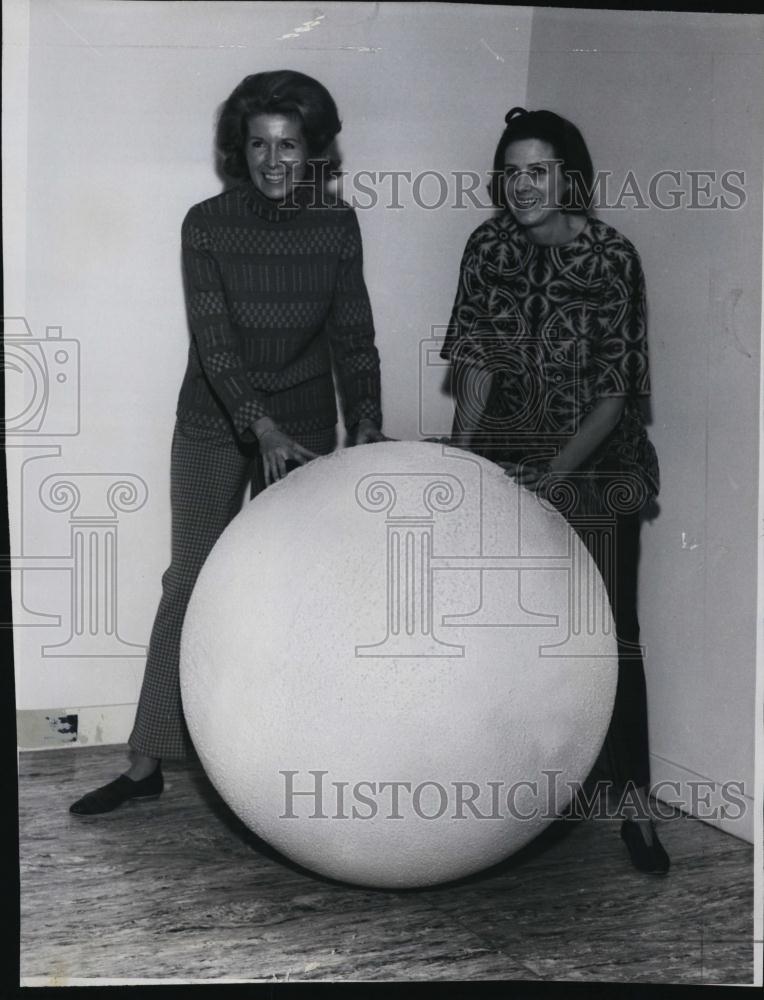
178	888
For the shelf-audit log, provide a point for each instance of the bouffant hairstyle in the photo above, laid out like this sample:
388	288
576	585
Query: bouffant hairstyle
569	148
282	92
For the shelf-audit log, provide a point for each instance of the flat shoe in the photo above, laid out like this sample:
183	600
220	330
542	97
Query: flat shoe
110	796
650	858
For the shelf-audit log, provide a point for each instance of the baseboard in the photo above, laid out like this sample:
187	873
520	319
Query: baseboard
59	728
720	803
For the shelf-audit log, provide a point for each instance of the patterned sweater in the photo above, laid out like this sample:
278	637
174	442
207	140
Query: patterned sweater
560	328
274	294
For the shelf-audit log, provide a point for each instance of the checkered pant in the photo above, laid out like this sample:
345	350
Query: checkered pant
207	482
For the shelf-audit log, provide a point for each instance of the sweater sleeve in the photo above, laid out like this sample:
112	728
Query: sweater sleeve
467	337
217	344
351	334
620	356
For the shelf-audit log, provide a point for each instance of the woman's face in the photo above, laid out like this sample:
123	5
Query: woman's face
534	182
276	153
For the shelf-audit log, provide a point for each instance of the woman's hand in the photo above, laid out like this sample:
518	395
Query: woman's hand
367	432
277	449
460	441
532	477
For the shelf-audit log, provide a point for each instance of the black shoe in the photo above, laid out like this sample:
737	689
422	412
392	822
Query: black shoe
651	858
108	797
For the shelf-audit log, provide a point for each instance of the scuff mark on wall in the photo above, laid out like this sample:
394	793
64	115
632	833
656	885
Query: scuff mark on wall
496	55
688	542
731	325
65	724
90	47
47	727
303	28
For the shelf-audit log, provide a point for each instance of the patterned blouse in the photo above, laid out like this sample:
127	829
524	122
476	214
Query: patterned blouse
559	328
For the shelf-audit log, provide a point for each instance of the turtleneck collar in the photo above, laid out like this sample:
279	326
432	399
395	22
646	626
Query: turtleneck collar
275	211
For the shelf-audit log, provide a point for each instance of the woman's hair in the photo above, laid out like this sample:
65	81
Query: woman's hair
568	145
279	92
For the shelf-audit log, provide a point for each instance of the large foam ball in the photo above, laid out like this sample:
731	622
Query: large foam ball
396	664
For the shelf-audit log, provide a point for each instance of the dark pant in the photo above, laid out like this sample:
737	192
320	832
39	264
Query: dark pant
625	753
613	541
207	484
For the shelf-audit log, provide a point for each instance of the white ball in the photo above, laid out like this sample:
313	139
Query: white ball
398	613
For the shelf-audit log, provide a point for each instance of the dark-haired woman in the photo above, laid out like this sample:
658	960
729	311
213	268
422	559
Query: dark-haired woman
275	294
548	347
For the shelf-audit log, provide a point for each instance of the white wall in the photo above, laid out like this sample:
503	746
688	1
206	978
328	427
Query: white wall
121	103
683	92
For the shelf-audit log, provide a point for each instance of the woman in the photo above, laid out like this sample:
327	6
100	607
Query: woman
274	291
549	358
